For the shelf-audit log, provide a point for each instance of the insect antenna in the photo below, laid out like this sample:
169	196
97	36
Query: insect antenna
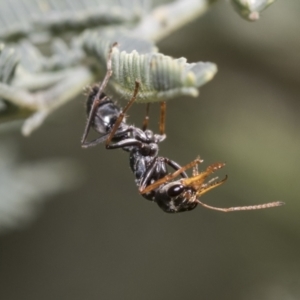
240	208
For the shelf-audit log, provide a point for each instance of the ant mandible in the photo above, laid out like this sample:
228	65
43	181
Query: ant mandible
151	171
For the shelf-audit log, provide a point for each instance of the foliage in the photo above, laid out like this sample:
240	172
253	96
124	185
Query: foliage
50	50
42	83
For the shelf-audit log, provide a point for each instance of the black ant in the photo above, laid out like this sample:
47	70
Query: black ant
151	171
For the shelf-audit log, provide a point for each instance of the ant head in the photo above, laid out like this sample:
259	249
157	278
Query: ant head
105	114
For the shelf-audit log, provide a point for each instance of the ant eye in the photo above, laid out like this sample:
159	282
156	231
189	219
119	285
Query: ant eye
175	190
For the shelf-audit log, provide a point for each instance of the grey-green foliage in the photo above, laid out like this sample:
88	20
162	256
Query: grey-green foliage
42	82
9	60
162	77
20	18
8	63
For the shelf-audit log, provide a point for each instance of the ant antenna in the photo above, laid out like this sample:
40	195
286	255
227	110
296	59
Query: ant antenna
239	208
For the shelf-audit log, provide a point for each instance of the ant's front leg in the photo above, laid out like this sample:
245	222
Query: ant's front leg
96	103
103	138
122	114
97	98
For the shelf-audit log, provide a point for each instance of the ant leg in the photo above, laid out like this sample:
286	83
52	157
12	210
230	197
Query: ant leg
95	142
239	208
96	103
148	174
162	119
152	167
176	167
122	114
169	177
108	71
197	180
130	142
103	138
97	97
146	119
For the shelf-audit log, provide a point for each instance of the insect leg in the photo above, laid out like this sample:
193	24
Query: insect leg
149	172
122	114
169	177
175	166
103	138
162	119
130	142
97	97
146	119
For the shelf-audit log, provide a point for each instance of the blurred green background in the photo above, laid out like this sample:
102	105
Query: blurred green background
102	240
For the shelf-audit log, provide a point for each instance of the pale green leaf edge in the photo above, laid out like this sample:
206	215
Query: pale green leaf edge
162	77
